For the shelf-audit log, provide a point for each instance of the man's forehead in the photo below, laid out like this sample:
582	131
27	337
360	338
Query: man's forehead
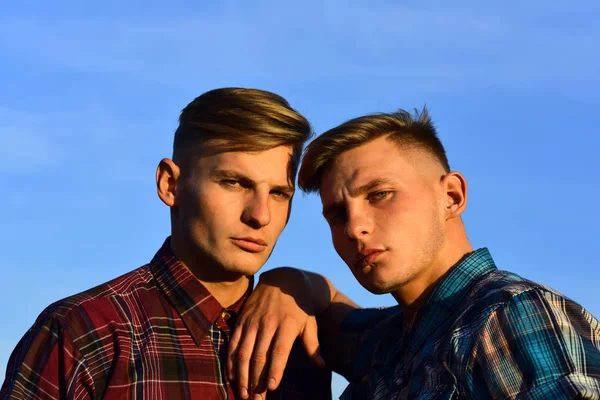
214	146
352	169
272	165
353	172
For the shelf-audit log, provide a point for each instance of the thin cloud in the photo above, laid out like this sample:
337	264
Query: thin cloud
332	40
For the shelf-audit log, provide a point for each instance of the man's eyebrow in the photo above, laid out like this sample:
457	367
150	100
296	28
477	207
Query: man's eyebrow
288	189
366	188
230	174
245	179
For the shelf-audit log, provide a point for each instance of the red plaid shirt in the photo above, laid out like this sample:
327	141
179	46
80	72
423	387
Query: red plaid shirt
154	333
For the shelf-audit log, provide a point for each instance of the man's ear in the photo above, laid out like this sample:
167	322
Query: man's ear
455	194
167	174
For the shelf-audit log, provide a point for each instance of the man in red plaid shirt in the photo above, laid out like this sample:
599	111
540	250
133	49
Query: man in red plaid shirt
161	331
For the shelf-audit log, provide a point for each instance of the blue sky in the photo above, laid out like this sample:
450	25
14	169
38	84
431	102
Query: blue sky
91	94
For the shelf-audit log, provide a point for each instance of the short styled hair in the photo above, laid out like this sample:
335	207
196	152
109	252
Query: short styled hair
401	127
239	119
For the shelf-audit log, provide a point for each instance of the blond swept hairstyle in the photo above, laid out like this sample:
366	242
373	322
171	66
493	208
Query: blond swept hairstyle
401	127
239	119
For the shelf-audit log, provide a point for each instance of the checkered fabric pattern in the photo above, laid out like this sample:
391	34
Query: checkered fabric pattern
482	333
154	333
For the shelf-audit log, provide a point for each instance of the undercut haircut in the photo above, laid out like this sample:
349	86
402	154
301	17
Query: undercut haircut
239	119
400	127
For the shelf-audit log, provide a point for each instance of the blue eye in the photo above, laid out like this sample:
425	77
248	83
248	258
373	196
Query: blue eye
280	195
229	182
378	195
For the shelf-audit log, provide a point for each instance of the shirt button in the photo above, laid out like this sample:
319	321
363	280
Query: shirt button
398	381
225	315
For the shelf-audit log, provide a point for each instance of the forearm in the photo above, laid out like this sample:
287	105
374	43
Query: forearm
284	306
329	305
328	302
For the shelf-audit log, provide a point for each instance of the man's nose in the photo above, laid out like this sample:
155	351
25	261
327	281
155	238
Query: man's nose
358	224
256	213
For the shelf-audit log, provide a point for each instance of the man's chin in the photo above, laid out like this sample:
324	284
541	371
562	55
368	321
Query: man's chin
373	282
376	287
378	290
244	267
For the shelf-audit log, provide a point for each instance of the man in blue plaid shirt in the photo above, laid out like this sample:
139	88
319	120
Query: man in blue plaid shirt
462	328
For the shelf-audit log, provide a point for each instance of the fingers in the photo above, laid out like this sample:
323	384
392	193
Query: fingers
272	352
232	352
260	359
259	392
280	352
252	354
242	356
262	354
310	340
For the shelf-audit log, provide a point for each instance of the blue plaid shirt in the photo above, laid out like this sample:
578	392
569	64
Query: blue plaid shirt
482	333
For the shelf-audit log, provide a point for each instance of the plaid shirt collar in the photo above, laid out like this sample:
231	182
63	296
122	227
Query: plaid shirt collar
449	293
197	307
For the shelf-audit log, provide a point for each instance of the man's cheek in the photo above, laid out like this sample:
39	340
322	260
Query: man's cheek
342	251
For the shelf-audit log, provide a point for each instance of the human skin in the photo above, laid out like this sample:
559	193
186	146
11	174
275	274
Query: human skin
393	211
394	215
227	211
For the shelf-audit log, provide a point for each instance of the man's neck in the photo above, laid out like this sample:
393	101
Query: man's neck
227	293
226	287
412	295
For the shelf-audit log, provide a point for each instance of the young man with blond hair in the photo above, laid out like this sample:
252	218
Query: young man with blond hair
462	327
161	331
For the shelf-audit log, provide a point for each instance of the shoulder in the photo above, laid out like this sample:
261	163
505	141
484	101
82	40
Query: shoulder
524	308
362	320
502	291
365	329
98	301
509	312
503	309
529	331
368	326
72	334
